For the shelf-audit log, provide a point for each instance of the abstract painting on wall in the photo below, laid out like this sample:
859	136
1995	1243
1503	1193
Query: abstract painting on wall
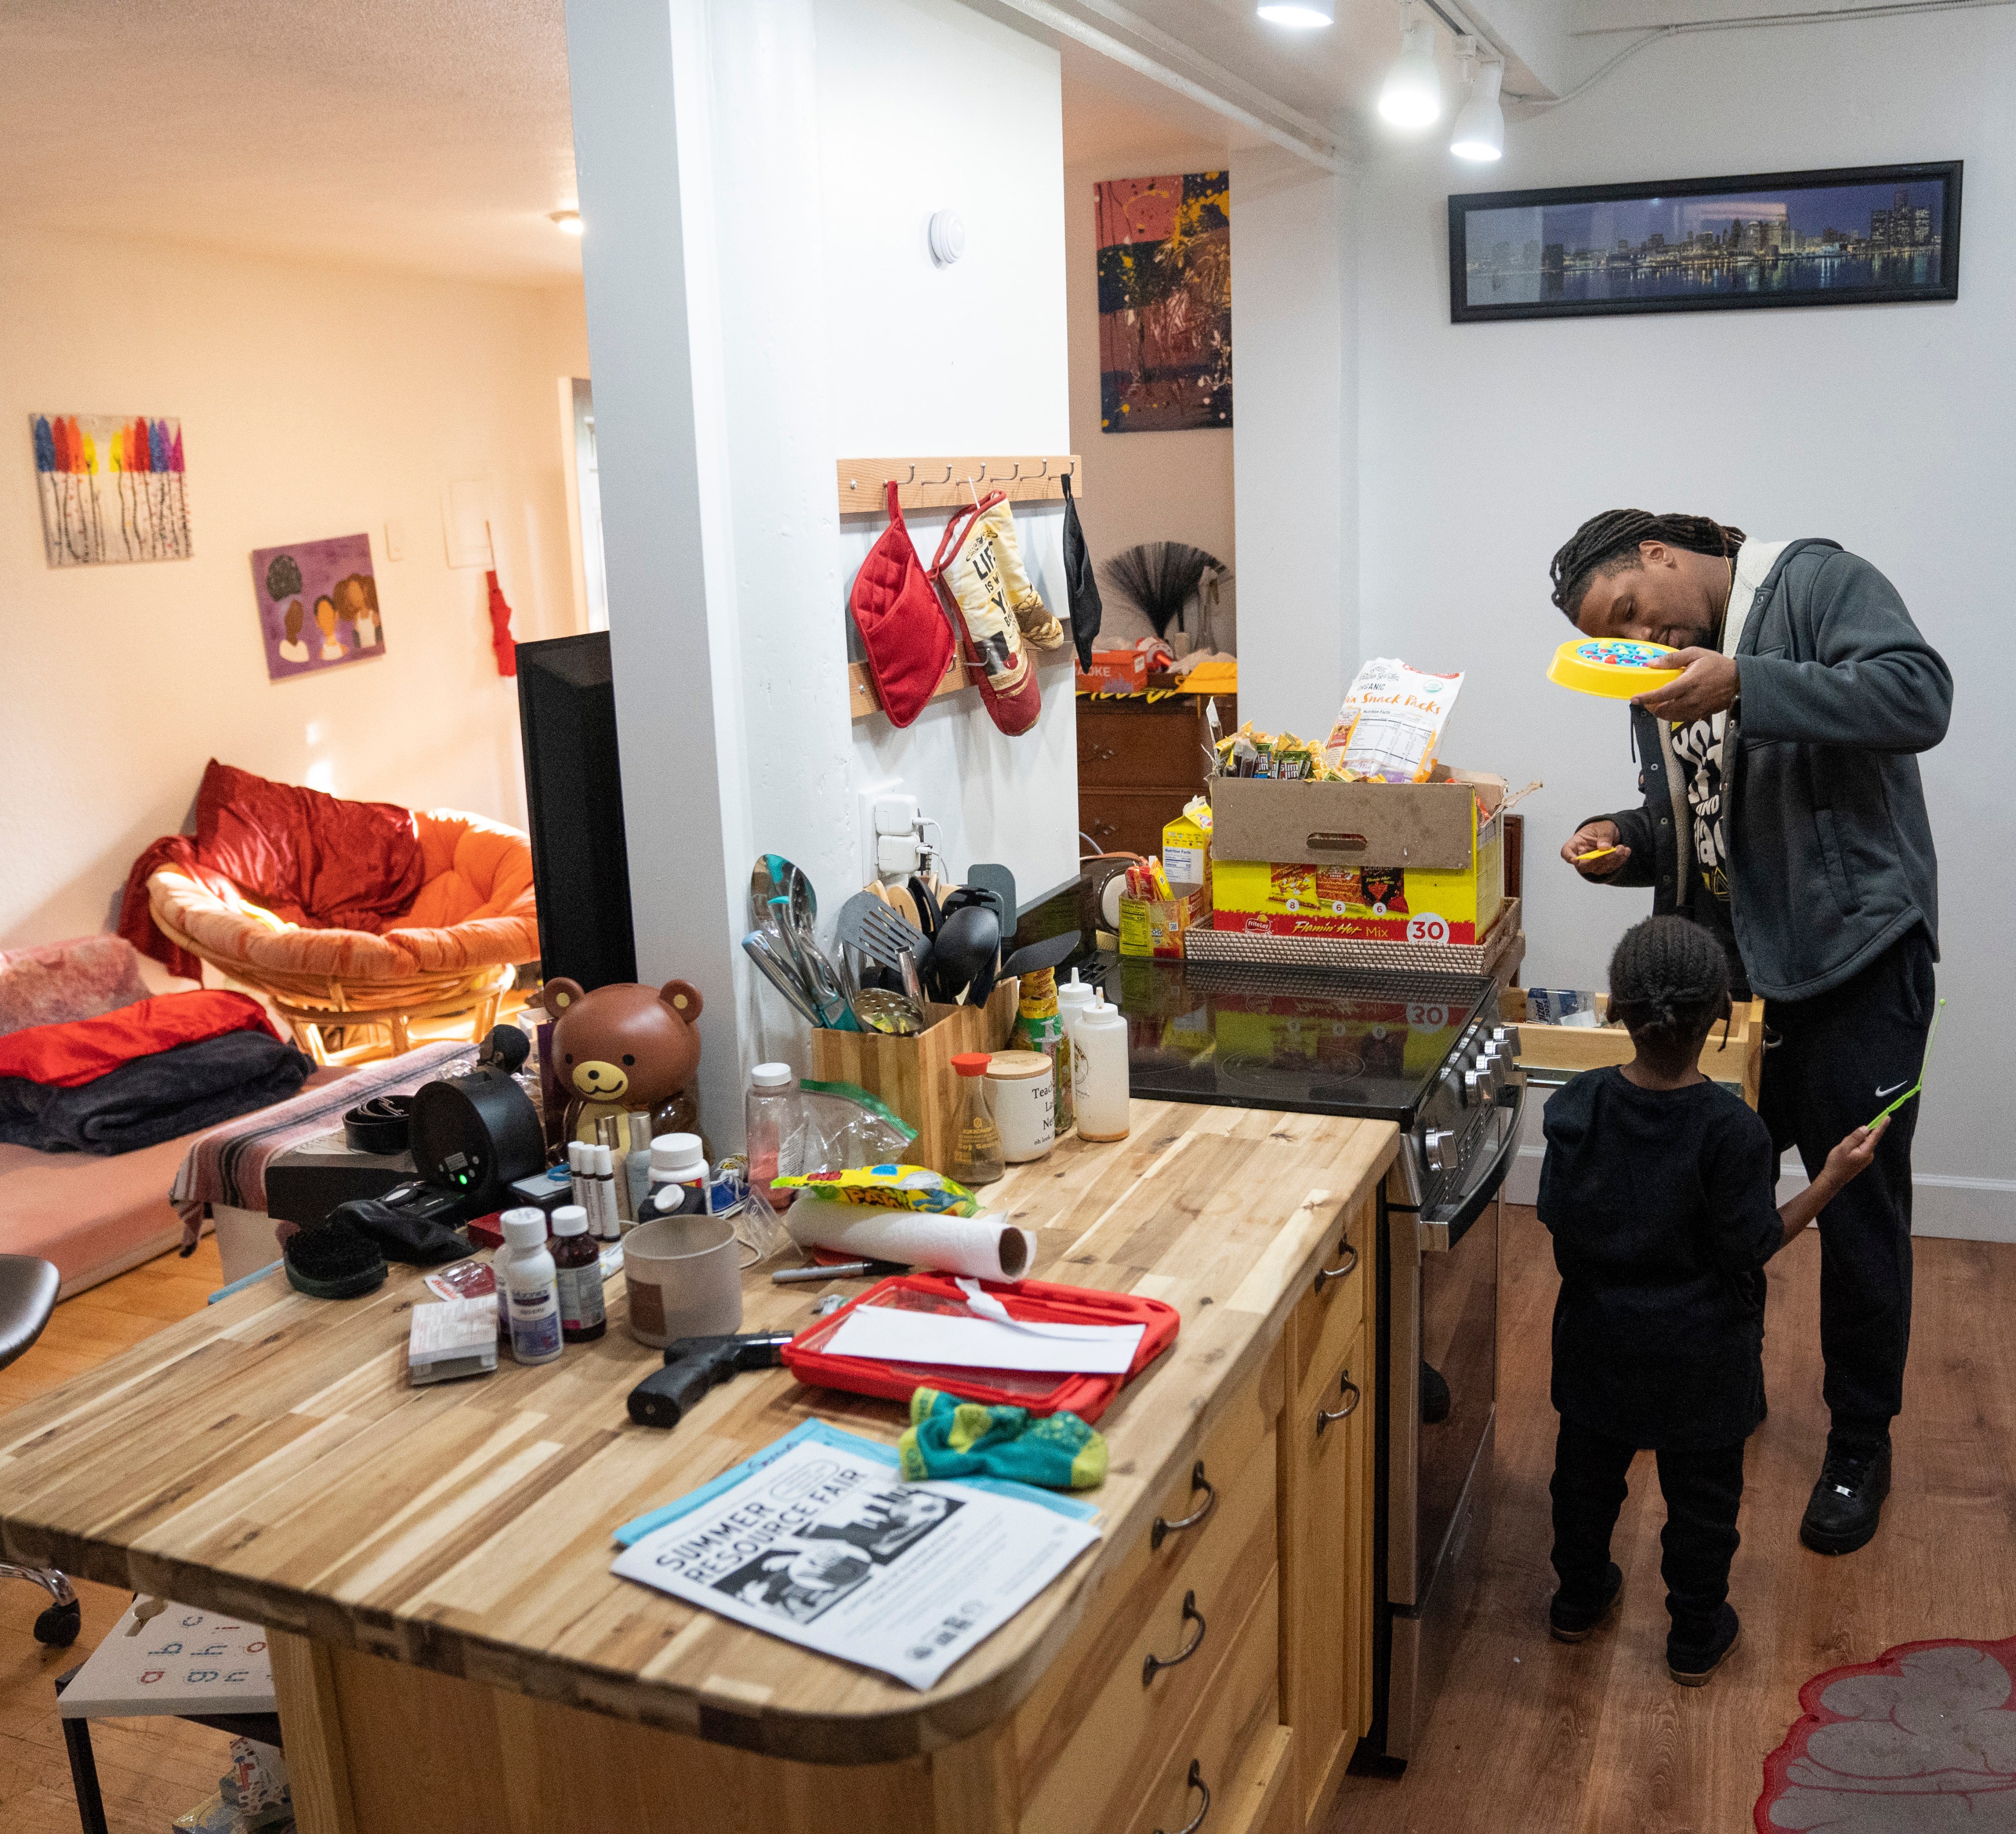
111	488
317	605
1165	303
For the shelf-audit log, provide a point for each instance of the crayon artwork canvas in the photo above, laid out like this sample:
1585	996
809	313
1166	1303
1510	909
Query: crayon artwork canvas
111	488
317	605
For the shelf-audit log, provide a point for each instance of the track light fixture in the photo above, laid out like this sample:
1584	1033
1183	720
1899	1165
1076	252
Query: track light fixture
1479	133
1412	95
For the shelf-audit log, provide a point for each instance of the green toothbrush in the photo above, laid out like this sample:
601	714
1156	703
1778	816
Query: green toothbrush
1931	1035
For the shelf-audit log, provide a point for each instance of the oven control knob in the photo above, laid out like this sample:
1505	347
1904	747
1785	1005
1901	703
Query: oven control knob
1437	1144
1476	1088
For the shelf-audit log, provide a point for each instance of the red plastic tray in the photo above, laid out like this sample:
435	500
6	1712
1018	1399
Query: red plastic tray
1041	1391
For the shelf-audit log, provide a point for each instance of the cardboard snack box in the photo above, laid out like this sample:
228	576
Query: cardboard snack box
1389	862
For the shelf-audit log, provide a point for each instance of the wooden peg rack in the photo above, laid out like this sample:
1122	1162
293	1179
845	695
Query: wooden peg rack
941	484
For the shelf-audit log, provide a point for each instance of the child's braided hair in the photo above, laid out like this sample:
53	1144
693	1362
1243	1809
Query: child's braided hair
1668	983
1608	543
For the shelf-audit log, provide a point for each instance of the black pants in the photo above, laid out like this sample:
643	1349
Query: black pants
1839	1059
1702	1489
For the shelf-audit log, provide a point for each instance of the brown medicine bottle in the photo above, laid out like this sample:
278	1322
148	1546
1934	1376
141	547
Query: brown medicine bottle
577	1276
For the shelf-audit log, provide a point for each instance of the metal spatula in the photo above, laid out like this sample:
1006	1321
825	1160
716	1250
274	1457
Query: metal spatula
869	925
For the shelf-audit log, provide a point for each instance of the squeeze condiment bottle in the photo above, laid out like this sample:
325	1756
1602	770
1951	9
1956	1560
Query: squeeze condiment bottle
678	1175
535	1306
1073	997
577	1276
1099	1072
976	1142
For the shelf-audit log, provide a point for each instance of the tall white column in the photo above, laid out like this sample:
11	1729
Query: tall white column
1294	439
641	113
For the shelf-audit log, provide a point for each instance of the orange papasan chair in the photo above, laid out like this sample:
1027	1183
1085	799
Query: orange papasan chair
345	915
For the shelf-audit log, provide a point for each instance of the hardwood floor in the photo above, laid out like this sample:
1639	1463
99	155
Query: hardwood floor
1530	1736
1537	1737
150	1769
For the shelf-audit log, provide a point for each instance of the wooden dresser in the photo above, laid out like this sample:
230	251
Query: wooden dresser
1139	762
451	1653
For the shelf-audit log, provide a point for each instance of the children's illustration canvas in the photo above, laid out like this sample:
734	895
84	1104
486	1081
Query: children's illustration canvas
317	605
111	488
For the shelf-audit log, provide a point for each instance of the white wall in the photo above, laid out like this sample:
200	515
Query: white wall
1886	428
926	104
1141	486
314	401
1293	308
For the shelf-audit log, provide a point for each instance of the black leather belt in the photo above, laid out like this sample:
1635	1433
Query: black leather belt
380	1125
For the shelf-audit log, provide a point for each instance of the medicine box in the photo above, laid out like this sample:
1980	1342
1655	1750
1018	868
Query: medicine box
1390	862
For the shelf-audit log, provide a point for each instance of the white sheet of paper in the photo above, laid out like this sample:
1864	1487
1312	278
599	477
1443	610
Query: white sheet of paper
886	1333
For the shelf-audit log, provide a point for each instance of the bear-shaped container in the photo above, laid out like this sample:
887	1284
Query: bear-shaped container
624	1048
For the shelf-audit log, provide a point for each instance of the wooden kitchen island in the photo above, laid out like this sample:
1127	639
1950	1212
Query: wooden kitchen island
452	1652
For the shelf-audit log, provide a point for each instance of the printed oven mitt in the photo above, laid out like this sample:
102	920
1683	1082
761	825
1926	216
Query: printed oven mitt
904	634
968	568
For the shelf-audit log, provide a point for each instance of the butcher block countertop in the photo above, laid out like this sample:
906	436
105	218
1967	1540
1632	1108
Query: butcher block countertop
269	1458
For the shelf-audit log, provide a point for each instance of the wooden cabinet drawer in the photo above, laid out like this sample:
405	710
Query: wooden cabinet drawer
1141	748
1335	1307
1203	1786
1128	821
1325	1516
1095	1732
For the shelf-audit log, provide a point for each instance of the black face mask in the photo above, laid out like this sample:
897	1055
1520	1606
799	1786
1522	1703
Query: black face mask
1080	589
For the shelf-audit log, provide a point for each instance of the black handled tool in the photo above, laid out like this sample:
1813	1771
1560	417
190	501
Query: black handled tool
695	1364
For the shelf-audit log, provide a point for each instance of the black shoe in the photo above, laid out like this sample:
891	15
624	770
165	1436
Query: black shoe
1847	1503
1691	1664
1569	1624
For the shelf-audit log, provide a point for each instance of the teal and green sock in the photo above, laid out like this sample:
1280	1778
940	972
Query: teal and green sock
948	1437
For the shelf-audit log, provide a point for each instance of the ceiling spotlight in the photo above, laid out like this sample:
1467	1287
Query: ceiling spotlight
567	222
1298	12
1479	133
1412	95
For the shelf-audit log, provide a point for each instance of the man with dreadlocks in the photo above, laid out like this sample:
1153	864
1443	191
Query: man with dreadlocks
1782	810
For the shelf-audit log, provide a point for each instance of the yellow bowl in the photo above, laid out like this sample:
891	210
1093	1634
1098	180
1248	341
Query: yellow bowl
1610	666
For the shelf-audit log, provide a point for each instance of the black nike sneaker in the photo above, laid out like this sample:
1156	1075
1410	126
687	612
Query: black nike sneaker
1847	1503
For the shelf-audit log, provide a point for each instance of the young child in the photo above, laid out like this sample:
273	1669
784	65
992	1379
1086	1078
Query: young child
1657	1189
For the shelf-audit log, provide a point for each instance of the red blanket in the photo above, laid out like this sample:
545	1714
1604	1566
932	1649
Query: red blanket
67	1056
312	859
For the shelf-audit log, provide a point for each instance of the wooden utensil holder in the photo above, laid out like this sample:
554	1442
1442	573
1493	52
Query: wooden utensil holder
914	1076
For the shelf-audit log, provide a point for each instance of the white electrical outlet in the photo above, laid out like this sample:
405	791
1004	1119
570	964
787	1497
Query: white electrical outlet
868	801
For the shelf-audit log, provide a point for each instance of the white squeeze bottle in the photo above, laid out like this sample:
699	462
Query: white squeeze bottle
535	1304
1099	1071
1073	997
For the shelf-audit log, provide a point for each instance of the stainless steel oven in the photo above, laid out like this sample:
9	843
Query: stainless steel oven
1439	1378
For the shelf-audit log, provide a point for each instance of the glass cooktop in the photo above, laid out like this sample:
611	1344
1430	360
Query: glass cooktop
1366	1043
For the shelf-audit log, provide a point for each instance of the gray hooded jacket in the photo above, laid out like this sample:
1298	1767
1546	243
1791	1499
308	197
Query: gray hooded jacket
1830	853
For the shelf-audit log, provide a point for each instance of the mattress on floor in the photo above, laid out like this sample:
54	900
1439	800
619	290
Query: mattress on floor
94	1216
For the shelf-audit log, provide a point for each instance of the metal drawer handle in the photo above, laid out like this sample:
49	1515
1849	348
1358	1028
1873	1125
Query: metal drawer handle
1164	1528
1152	1665
1325	1275
1350	1390
1197	1783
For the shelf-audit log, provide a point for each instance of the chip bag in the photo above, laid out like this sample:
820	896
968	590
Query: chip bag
1392	721
890	1187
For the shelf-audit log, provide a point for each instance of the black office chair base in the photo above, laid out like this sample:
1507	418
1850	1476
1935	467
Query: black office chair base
58	1626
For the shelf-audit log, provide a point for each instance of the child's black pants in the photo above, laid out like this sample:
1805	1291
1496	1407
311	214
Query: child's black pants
1702	1487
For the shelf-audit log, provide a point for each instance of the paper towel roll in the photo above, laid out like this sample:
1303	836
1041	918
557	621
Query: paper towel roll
986	1247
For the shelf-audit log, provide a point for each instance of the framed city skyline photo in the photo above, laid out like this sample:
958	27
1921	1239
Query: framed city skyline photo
1857	235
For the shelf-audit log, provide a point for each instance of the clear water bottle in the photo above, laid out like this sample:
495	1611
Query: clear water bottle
771	1112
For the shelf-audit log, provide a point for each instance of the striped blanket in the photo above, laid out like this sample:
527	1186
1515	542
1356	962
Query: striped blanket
228	1165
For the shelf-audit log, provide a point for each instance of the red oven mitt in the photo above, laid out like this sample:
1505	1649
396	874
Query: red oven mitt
904	634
